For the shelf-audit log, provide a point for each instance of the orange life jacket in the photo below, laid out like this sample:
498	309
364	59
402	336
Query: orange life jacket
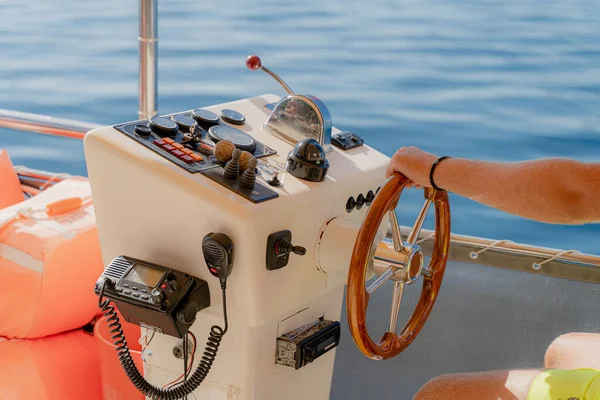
49	261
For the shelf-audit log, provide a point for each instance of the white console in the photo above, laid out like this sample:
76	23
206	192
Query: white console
149	206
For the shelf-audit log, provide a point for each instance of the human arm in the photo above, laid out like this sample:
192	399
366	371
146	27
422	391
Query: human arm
548	190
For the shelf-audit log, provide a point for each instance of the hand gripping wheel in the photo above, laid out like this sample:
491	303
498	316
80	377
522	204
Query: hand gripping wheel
408	271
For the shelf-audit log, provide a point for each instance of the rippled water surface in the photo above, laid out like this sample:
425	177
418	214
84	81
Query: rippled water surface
499	80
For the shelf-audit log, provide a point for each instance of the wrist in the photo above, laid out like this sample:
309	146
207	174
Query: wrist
434	175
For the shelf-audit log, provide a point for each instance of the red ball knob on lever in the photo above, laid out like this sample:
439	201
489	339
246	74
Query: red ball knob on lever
253	63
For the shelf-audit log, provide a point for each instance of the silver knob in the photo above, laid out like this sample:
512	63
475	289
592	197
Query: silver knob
157	295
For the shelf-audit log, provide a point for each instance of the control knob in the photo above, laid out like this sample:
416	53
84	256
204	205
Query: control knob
163	127
157	295
187	315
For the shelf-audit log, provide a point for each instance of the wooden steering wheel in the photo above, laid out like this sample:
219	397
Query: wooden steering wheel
406	268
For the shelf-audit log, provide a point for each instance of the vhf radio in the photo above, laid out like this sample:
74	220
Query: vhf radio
154	296
167	301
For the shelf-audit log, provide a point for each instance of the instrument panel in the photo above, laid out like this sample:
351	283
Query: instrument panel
187	139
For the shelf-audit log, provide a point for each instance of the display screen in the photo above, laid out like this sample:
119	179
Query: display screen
325	344
144	275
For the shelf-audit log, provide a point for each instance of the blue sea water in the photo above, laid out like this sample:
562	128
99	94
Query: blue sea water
491	79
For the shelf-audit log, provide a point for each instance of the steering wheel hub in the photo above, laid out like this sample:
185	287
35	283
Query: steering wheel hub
408	270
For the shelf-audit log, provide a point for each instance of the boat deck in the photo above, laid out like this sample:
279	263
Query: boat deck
485	318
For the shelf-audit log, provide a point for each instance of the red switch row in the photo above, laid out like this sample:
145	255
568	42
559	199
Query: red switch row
186	155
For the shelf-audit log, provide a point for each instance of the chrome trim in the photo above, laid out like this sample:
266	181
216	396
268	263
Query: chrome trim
515	256
402	265
326	122
22	121
283	130
148	44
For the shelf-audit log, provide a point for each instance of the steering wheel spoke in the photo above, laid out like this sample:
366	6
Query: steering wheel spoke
383	278
396	300
396	234
426	273
416	229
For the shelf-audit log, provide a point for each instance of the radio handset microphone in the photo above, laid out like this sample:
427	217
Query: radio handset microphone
218	254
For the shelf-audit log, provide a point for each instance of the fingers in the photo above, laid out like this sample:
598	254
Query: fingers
411	184
395	162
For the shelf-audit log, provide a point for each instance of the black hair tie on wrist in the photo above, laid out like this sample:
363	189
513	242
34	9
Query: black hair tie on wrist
432	170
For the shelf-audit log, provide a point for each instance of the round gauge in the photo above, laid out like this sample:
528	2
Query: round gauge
163	126
184	122
233	117
205	118
241	139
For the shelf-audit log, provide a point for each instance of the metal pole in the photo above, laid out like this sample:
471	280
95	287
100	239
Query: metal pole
21	121
148	57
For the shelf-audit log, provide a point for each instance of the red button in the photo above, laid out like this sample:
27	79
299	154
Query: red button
214	271
168	147
159	142
163	286
187	159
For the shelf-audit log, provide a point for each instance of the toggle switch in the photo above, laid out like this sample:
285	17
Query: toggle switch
279	247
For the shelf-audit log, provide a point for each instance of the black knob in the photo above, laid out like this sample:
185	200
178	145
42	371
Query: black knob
142	130
187	315
249	176
370	197
163	127
232	168
285	246
350	204
173	286
274	181
360	200
157	295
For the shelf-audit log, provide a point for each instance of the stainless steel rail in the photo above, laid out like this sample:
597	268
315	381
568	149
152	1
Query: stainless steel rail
148	40
22	121
567	264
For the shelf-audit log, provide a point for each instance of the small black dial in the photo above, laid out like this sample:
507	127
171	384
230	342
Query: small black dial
184	122
233	117
142	130
205	118
163	127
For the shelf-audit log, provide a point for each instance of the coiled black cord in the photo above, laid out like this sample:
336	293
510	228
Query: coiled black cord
134	375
